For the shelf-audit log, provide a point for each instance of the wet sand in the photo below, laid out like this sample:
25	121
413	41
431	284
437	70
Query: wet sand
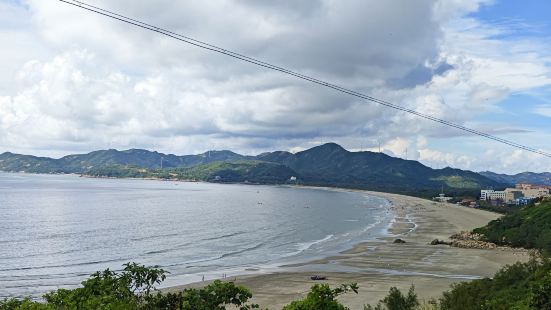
379	264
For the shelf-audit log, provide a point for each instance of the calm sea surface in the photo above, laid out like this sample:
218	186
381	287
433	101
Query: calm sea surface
56	230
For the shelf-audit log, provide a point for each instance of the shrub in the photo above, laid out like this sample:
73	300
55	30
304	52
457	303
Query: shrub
321	296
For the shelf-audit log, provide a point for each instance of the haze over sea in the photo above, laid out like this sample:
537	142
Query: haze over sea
58	229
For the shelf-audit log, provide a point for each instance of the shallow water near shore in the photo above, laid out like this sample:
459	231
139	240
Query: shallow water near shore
58	229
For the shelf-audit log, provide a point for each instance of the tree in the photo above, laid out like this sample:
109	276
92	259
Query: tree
134	288
395	300
321	296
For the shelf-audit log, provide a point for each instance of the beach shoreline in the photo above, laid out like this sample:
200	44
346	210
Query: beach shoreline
376	265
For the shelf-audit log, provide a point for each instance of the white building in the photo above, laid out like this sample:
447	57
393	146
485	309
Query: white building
490	194
484	194
442	198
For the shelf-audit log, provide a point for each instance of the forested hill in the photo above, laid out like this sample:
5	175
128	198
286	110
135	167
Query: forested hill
328	164
81	163
529	227
543	178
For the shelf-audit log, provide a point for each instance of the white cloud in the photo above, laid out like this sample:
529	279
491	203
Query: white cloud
544	110
111	85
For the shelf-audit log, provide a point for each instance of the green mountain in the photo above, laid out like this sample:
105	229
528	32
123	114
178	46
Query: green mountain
327	165
543	178
330	164
82	163
242	171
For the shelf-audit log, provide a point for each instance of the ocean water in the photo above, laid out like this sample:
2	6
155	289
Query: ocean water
58	229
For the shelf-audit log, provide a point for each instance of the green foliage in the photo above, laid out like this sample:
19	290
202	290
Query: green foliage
134	288
321	296
212	297
457	181
529	227
395	300
541	294
23	304
518	286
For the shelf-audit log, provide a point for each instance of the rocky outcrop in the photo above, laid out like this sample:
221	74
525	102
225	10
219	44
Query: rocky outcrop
467	235
471	240
467	240
399	241
437	242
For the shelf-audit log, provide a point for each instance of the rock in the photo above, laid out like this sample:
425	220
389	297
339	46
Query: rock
473	244
471	240
467	235
437	242
399	241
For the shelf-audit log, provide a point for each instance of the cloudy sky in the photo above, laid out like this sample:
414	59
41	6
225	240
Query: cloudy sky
74	82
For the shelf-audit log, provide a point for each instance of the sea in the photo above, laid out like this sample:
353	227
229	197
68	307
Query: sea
56	230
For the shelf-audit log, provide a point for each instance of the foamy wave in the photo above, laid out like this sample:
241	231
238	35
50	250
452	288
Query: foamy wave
303	246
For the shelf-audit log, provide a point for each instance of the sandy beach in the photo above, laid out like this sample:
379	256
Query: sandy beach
376	265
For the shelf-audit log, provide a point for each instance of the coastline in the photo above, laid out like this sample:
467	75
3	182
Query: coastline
379	264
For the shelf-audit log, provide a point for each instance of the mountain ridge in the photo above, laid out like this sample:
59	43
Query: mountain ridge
324	165
542	178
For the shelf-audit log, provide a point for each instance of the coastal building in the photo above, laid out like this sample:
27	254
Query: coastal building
484	194
442	197
490	194
512	194
523	201
523	186
535	192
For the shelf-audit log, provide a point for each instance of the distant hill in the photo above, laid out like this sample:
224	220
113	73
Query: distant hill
82	163
326	165
251	171
543	178
330	164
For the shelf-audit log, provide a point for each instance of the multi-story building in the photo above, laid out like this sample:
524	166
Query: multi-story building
512	194
524	186
535	192
490	194
484	194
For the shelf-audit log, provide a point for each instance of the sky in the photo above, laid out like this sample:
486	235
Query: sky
74	82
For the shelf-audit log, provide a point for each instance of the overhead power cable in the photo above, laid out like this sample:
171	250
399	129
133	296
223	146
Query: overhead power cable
260	63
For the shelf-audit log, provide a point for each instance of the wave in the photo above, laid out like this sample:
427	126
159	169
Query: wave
237	233
56	236
154	237
67	265
303	246
218	257
252	248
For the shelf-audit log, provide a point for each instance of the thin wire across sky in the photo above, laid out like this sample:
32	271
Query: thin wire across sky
260	63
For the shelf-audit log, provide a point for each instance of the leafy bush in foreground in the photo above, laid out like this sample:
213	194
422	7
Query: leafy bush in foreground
395	300
518	286
321	296
134	288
